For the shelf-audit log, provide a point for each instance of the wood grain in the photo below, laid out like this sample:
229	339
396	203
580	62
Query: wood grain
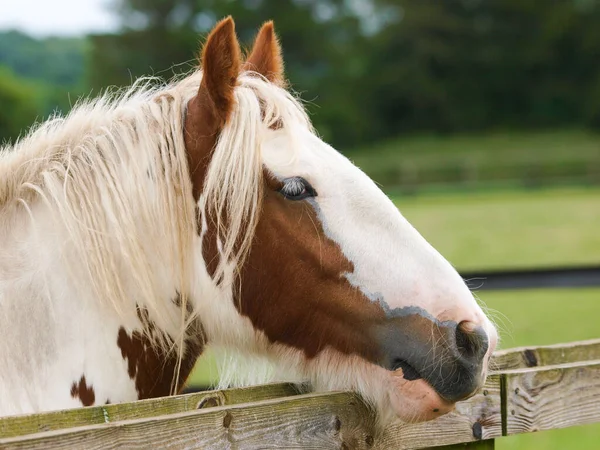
553	397
34	423
338	420
278	416
523	357
307	421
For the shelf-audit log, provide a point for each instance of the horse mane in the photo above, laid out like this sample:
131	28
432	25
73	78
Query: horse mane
93	167
233	185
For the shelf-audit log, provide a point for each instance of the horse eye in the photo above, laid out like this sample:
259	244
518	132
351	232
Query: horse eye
297	188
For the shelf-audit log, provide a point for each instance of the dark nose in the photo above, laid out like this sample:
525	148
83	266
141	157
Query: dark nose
471	342
449	356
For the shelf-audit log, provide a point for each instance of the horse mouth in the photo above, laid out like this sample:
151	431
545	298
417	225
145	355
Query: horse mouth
408	371
413	399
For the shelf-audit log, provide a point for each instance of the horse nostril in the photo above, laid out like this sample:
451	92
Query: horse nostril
471	340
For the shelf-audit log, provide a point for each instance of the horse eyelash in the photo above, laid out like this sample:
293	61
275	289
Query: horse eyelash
308	190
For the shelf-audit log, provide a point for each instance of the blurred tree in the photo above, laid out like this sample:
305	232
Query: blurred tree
377	68
473	64
58	61
39	77
18	106
322	44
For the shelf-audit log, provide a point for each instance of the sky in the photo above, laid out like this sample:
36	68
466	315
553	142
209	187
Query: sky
56	17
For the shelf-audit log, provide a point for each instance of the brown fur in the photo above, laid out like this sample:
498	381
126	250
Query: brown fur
84	392
221	61
265	57
316	306
151	368
209	110
204	116
290	243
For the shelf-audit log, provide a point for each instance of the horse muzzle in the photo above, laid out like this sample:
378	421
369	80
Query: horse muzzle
450	357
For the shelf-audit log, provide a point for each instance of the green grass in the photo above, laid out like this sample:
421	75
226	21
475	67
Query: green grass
518	229
501	157
544	316
515	229
205	372
500	147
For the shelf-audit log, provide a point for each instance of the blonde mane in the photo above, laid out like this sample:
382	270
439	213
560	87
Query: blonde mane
114	174
233	185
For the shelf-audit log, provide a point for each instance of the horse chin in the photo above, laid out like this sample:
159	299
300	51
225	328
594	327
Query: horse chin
415	401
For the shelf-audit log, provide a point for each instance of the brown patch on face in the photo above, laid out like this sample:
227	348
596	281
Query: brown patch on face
315	306
293	286
84	392
294	289
210	109
152	368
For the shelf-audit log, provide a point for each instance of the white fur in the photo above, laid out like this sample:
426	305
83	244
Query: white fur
96	217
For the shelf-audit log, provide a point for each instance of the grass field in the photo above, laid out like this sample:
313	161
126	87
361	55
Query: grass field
513	229
501	157
520	229
500	147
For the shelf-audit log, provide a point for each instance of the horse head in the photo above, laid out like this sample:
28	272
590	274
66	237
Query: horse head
310	262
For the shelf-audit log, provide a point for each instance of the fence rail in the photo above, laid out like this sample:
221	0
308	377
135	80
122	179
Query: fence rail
531	389
560	277
466	173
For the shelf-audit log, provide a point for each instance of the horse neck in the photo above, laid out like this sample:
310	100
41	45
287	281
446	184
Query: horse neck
62	345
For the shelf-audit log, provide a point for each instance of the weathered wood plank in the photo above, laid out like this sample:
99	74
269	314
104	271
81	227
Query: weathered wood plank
507	359
553	397
303	421
523	357
536	398
55	420
307	421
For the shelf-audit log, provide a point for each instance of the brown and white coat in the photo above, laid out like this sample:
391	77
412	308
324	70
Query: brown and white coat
139	229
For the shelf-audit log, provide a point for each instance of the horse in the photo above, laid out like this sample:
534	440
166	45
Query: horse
147	225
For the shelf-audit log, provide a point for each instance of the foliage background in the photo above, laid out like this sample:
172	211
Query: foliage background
376	68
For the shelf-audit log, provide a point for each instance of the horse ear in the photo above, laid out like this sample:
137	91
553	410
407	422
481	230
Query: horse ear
265	57
221	63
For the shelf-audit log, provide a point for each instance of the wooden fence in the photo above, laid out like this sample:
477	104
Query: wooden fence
459	173
531	389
